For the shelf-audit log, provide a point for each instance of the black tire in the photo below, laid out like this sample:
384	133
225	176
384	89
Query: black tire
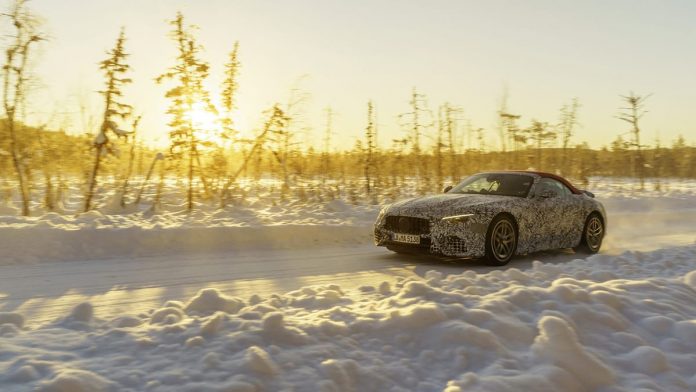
592	234
501	240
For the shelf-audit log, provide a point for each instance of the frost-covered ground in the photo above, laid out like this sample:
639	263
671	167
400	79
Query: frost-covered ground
268	296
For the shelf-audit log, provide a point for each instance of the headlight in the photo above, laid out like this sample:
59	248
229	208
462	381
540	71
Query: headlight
457	218
382	213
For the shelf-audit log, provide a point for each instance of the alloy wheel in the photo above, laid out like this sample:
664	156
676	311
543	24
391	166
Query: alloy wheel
594	233
503	239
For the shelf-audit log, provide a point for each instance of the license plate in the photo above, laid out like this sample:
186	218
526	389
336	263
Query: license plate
406	238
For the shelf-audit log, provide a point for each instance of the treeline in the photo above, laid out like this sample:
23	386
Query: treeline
438	147
59	160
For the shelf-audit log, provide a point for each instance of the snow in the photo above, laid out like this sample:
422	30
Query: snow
75	380
209	301
265	297
11	318
264	221
622	322
259	222
558	343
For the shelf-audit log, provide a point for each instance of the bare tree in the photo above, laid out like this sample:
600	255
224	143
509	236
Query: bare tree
281	141
502	126
230	87
481	147
131	161
449	128
46	162
277	122
158	157
18	56
514	133
632	113
437	150
189	72
369	149
114	68
413	120
566	126
326	152
540	134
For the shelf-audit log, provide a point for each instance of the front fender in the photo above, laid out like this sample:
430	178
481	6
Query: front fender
461	238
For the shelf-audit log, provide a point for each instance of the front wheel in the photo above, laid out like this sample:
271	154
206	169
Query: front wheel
501	240
592	234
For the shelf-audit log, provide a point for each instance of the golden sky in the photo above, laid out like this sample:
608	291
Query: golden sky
343	53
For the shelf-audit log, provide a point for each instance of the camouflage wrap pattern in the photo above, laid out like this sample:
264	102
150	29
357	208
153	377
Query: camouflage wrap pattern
542	223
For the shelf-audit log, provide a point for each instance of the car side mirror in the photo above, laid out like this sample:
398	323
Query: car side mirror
588	193
447	189
548	193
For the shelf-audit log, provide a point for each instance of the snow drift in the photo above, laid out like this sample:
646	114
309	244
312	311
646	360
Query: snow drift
98	235
625	322
264	223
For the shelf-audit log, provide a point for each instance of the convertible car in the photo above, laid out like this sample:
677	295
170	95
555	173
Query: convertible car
495	215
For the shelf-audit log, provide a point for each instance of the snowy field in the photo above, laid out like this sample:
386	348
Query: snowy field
266	296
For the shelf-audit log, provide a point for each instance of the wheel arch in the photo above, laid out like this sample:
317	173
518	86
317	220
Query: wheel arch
602	219
509	215
595	211
514	222
583	223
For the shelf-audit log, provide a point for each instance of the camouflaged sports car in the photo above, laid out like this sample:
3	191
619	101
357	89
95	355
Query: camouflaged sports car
495	215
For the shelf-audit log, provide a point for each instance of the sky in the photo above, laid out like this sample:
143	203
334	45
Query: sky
344	53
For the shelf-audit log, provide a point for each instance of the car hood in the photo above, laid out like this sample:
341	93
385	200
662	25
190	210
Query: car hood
446	204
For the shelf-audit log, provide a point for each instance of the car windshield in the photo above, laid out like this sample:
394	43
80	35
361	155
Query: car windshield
503	184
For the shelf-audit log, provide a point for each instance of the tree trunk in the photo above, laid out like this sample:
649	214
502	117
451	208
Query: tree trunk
93	178
49	201
129	172
147	178
189	196
20	177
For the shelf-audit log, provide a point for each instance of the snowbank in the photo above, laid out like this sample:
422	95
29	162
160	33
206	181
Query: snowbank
258	224
262	222
22	245
625	322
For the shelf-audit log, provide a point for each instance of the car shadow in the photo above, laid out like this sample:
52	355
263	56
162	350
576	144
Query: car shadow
423	263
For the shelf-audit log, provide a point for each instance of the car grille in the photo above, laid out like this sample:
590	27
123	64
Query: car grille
453	245
407	225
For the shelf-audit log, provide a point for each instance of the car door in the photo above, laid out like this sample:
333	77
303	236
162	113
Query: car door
553	202
575	214
570	208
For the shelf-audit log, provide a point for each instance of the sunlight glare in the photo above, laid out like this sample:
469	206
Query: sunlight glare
207	123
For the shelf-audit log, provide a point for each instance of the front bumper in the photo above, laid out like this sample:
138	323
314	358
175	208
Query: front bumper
444	238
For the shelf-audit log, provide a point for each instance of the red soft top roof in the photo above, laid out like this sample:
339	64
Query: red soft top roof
555	177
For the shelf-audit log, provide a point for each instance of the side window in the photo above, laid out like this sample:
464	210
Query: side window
564	191
551	184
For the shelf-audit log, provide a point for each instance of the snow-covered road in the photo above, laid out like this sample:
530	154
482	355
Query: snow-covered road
43	292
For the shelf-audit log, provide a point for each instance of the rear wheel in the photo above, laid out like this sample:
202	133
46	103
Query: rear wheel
501	240
592	234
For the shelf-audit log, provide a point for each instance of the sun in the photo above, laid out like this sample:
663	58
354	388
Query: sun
202	118
206	123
